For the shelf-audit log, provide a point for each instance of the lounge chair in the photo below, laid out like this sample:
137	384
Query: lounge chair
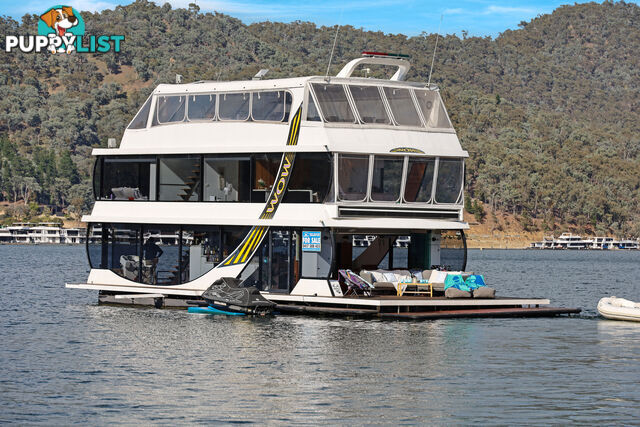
355	284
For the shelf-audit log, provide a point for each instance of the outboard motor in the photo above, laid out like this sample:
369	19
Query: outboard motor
227	294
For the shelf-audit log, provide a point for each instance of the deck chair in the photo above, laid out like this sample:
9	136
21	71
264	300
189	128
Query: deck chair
355	284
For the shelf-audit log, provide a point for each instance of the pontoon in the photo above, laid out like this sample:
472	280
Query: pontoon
268	181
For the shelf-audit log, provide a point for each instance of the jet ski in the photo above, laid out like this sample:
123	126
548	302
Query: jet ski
229	296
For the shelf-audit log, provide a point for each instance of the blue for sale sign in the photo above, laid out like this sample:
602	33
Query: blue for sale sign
311	241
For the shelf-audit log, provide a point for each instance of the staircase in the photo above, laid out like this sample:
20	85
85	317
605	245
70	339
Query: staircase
192	182
174	274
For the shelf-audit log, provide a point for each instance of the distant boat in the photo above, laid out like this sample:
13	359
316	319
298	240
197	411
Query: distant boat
574	241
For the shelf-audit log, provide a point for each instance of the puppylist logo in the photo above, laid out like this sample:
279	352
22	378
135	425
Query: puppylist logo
61	30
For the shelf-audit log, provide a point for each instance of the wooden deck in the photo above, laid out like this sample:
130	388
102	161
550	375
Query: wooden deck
403	301
484	312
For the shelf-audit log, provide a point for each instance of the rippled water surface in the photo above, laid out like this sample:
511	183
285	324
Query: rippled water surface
64	359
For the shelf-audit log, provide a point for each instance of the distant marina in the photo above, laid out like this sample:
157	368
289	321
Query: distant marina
574	241
42	233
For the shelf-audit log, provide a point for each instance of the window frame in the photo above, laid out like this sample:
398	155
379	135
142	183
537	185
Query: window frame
435	182
284	110
215	113
356	119
156	109
149	115
435	171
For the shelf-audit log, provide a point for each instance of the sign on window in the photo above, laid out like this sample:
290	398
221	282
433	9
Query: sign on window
311	241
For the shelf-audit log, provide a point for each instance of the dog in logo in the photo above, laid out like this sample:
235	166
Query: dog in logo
60	20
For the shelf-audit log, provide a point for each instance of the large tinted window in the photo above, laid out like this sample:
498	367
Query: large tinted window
369	104
180	179
98	246
449	181
310	178
161	254
227	179
202	107
333	103
234	106
118	250
419	182
402	106
387	178
432	109
270	106
140	120
170	109
126	178
265	169
97	178
353	174
161	260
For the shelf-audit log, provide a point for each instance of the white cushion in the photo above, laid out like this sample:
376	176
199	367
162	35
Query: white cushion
389	277
438	276
377	276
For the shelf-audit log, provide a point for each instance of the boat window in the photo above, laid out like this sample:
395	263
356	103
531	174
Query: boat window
234	106
310	179
333	103
201	245
98	246
126	178
312	111
179	178
353	174
432	109
419	181
270	106
202	107
265	168
140	120
275	265
170	254
449	181
453	250
387	177
402	106
369	104
227	179
170	109
162	263
117	249
97	178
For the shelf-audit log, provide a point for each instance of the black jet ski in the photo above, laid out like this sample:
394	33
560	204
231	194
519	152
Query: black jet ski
227	294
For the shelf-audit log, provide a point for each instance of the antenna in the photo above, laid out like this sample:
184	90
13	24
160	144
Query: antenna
433	58
335	39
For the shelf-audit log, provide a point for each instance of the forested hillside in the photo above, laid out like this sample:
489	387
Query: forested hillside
550	113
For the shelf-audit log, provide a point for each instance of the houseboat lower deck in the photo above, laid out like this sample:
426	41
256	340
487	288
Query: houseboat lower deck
382	306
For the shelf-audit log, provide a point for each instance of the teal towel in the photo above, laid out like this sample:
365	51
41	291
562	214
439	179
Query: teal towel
455	281
475	281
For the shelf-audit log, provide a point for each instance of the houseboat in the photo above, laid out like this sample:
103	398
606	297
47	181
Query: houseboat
271	181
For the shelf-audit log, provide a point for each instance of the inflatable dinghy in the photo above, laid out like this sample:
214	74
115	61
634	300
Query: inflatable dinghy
619	309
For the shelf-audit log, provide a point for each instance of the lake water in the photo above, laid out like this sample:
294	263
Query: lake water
64	359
